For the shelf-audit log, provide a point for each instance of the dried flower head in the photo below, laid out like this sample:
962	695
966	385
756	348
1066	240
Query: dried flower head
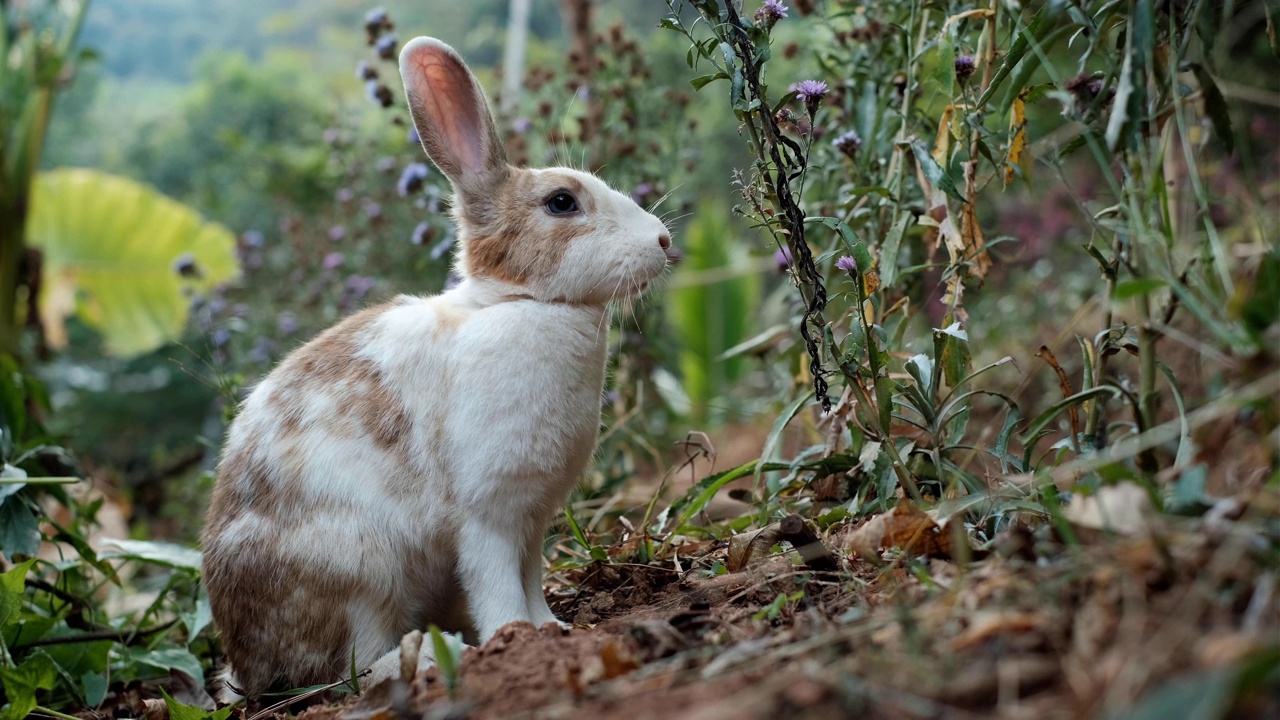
810	93
965	67
770	12
848	143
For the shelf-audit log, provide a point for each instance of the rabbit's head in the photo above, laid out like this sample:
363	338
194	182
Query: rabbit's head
554	234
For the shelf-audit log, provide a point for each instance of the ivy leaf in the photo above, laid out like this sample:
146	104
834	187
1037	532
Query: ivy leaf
11	586
21	684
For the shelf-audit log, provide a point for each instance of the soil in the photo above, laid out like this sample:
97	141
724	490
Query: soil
1104	625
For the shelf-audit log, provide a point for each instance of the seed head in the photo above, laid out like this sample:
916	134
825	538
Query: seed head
965	66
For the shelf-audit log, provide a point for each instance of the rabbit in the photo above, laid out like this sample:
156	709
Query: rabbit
401	468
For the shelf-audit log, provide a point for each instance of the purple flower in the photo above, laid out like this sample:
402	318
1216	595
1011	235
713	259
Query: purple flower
378	93
411	178
344	195
286	323
810	93
372	209
770	12
360	285
386	47
252	238
521	125
847	264
376	19
442	248
337	232
365	71
642	190
385	164
848	143
221	337
261	351
782	259
413	137
333	260
422	233
185	265
965	66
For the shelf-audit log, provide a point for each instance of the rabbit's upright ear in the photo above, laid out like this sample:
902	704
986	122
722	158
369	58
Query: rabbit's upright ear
452	116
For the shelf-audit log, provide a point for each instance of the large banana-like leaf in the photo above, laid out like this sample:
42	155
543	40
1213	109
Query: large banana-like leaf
122	257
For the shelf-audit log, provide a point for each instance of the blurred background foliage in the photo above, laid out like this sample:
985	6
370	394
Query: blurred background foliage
278	126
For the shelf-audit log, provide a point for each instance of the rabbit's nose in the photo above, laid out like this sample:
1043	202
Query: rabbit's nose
664	241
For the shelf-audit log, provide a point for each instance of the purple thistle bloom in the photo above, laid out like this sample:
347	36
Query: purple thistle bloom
365	71
965	67
442	248
185	265
847	264
848	143
386	47
333	260
782	258
810	93
411	178
286	323
221	337
252	238
372	209
261	351
337	232
344	195
421	234
770	12
521	125
360	285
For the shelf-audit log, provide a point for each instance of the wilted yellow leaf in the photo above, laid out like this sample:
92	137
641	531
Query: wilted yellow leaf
1017	140
942	146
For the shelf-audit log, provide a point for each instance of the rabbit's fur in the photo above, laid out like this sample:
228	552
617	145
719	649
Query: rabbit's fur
400	469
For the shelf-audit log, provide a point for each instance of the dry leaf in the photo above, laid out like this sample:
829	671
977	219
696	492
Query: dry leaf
942	146
616	662
1018	139
748	547
987	624
975	245
1125	509
1064	385
905	527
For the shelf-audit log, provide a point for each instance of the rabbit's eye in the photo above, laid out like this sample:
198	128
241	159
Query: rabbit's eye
561	204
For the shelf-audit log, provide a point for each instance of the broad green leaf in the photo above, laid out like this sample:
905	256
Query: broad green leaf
934	172
159	553
11	586
95	687
19	529
179	711
1203	695
110	247
172	658
199	619
22	682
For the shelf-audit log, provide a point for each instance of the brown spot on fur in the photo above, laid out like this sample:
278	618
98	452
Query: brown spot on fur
522	242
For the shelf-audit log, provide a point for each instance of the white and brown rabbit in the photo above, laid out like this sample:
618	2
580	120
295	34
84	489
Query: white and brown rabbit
401	469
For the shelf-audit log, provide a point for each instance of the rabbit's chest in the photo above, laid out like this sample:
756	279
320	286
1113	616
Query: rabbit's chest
525	395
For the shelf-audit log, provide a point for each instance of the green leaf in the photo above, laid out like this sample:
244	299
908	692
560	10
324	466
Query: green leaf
95	687
934	172
889	251
1262	308
11	587
1047	14
110	246
19	528
779	424
700	82
172	658
1203	695
158	553
21	684
179	711
1136	287
199	619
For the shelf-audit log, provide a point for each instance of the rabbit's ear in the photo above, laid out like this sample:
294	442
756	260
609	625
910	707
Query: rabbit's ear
452	115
